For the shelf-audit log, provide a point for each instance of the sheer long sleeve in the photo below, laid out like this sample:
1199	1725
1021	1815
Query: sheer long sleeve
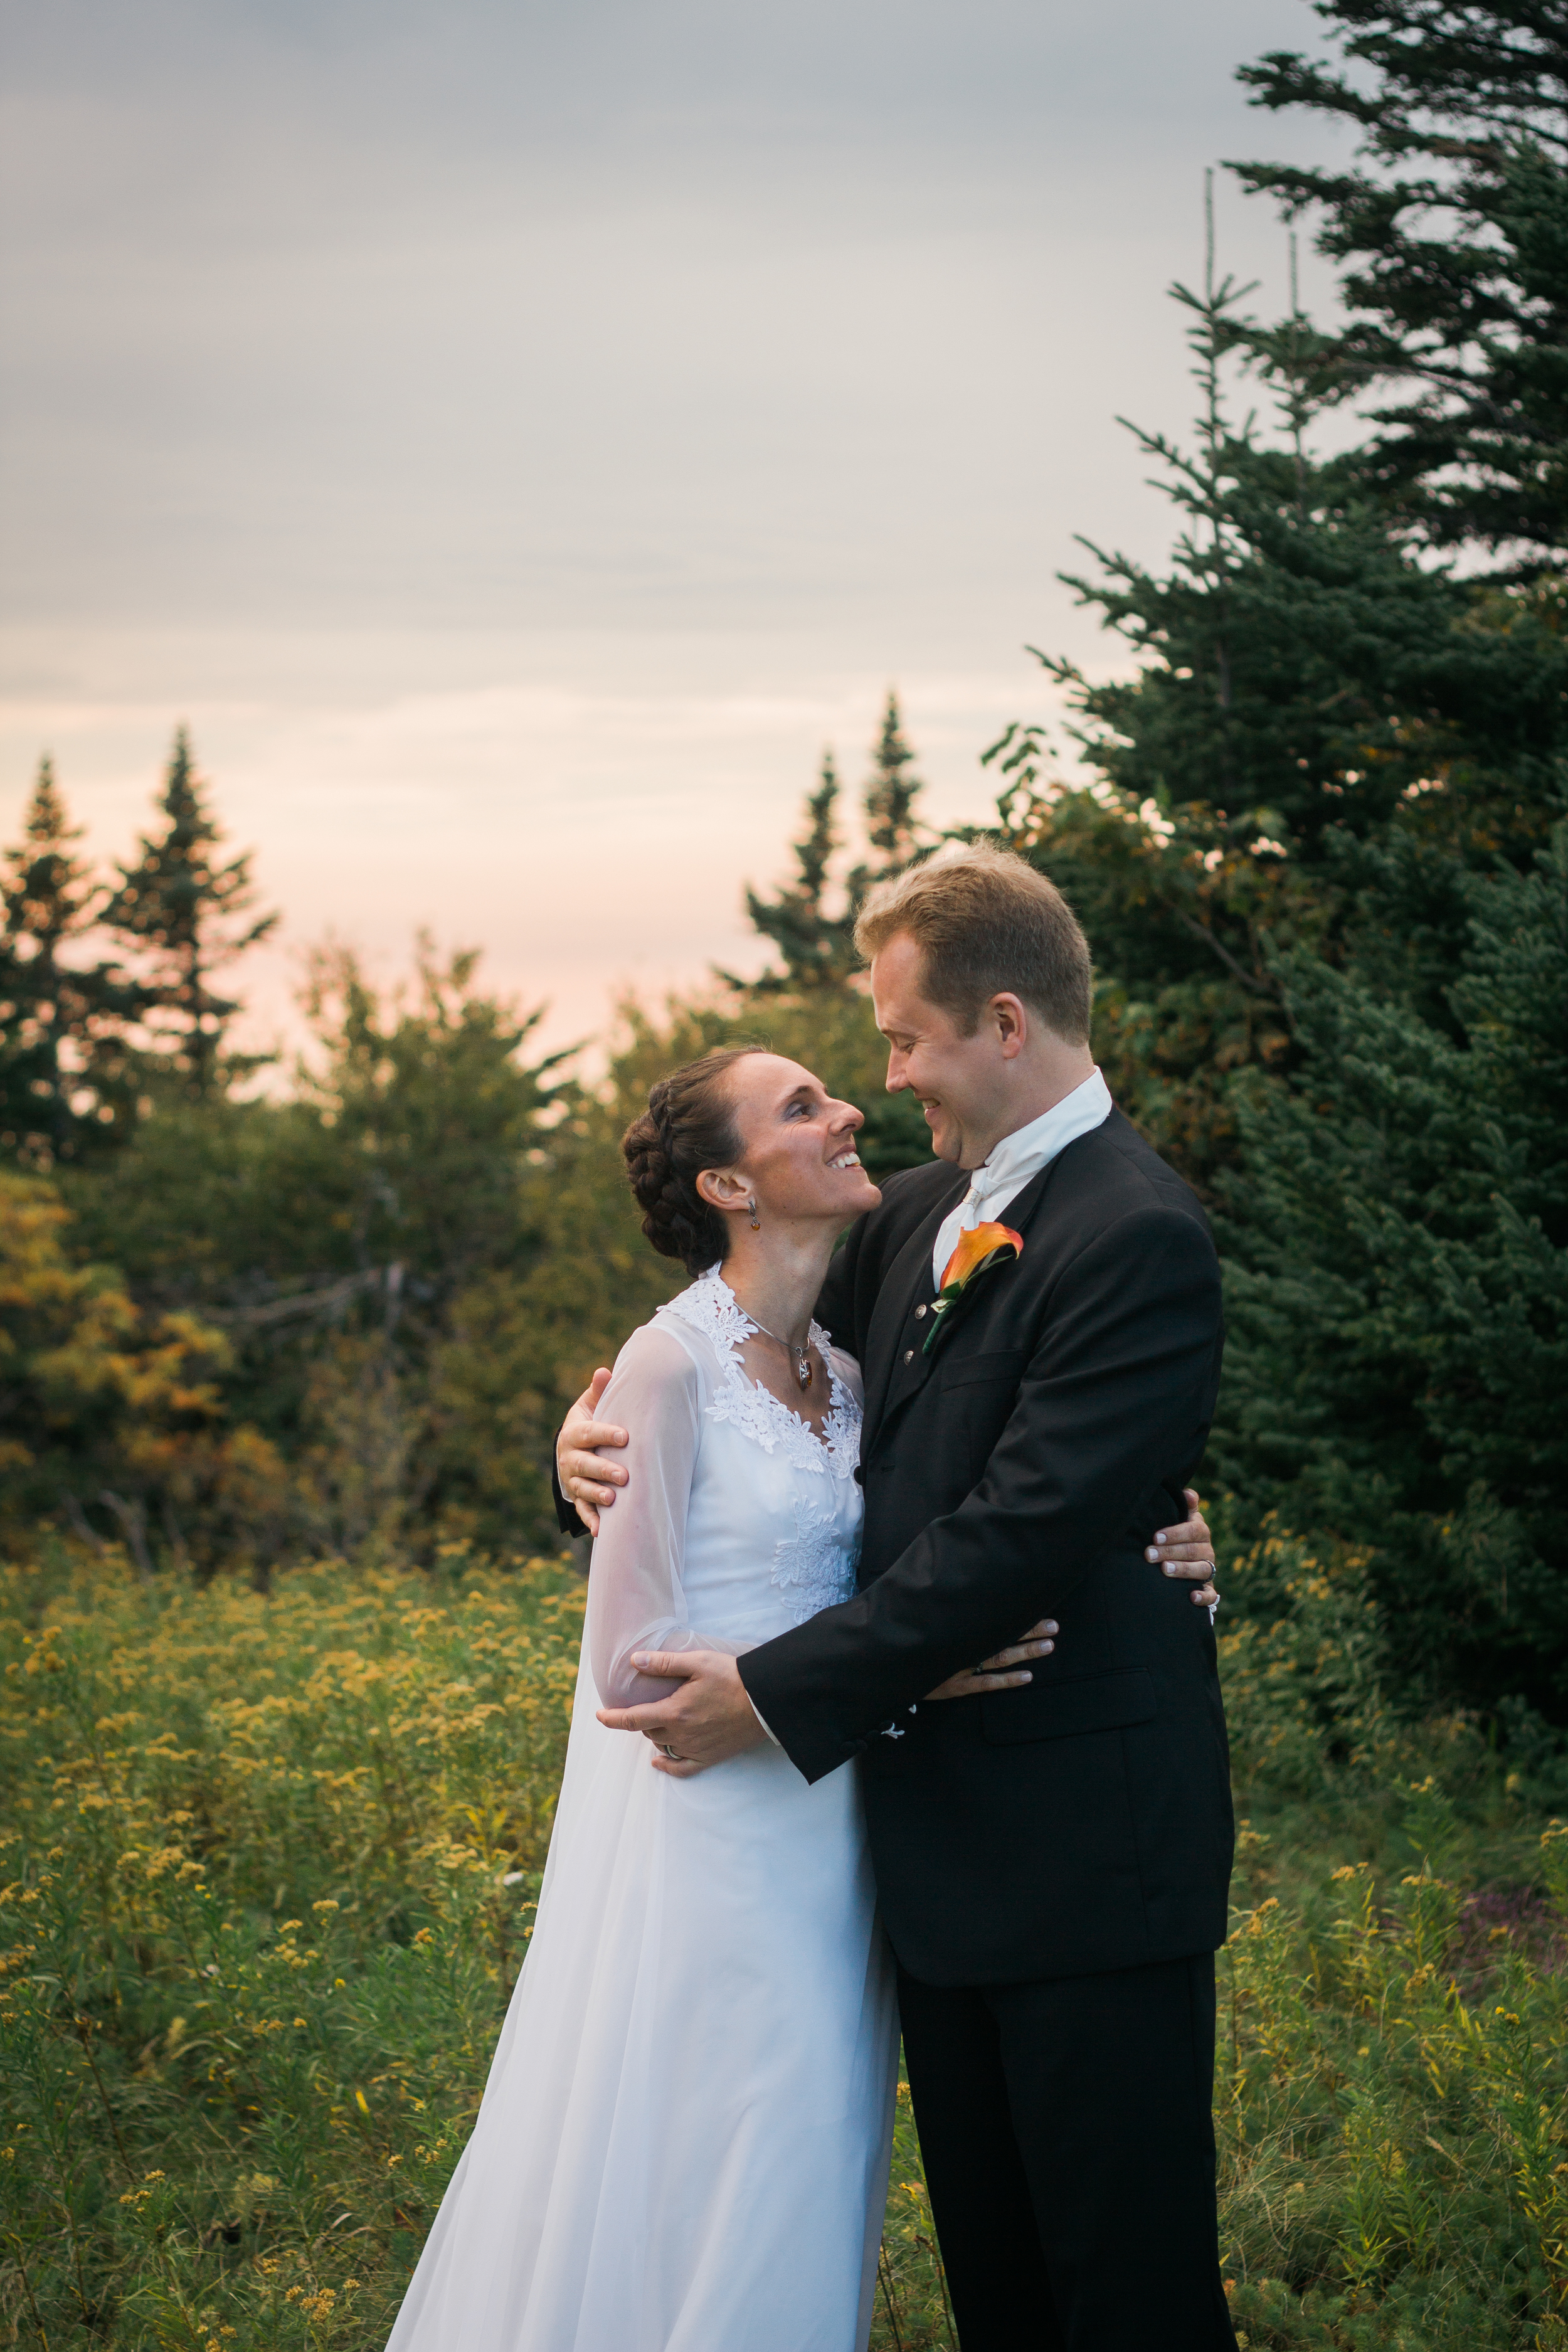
635	1596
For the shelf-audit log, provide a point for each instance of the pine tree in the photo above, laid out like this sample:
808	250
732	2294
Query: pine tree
186	912
891	797
1454	230
817	948
67	1070
1398	1297
1308	695
1319	868
812	1007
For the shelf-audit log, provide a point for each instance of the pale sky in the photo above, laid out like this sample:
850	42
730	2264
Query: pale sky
517	439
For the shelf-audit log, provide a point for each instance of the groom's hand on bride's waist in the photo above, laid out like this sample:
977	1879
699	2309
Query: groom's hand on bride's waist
708	1720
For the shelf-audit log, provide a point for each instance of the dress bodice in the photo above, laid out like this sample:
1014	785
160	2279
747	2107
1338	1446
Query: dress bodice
738	1520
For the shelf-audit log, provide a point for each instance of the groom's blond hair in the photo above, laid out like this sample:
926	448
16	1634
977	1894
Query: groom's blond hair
987	924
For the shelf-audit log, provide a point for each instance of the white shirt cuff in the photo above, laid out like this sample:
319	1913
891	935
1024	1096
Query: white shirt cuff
763	1719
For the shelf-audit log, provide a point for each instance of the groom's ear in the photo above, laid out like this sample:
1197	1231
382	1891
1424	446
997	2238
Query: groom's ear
1010	1017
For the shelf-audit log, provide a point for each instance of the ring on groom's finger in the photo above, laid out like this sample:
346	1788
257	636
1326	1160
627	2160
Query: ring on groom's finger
670	1753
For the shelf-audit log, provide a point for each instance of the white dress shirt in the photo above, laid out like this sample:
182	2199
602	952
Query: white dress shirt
1003	1175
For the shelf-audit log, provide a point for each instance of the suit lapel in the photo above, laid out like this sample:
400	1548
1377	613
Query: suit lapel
907	1281
1020	1212
890	1382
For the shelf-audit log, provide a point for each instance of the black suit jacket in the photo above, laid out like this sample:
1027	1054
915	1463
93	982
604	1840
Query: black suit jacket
1082	1823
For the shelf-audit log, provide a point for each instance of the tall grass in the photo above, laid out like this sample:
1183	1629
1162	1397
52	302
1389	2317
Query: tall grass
266	1878
273	1865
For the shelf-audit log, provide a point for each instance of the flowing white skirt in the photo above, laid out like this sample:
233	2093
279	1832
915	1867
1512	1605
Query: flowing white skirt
684	2141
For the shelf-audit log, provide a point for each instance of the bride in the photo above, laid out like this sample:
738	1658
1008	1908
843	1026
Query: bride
684	2141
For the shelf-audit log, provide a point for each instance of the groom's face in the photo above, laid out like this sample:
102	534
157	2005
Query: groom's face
959	1081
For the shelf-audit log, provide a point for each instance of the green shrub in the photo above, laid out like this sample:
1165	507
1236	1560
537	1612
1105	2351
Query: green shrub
269	1864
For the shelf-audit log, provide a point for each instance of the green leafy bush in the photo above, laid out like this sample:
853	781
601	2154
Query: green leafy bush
267	1865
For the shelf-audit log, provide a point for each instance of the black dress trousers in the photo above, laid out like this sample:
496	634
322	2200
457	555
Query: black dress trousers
1068	2143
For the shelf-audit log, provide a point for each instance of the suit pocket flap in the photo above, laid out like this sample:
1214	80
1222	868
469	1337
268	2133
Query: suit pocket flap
1061	1710
969	1371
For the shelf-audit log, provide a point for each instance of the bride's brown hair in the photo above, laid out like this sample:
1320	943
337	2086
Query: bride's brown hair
689	1125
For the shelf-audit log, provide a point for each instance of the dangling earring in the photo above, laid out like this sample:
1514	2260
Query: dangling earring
757	1220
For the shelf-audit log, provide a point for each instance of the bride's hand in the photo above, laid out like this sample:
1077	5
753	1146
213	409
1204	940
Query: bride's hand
1185	1552
1002	1672
1188	1551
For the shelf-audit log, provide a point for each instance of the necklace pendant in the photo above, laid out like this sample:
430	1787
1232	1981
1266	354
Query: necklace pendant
803	1371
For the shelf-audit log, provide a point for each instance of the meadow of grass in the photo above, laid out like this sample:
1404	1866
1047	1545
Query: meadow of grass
268	1870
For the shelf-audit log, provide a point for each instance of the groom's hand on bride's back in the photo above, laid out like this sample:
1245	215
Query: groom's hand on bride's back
587	1479
1188	1551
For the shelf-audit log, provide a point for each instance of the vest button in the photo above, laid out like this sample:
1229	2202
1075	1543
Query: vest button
919	1313
909	1355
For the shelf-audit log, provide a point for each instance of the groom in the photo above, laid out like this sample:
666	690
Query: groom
1052	1861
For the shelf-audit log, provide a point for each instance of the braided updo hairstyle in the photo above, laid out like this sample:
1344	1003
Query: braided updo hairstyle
689	1125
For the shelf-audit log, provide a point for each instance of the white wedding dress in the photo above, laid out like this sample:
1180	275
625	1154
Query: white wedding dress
684	2141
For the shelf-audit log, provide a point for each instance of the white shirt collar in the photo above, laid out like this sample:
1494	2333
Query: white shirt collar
1010	1163
1019	1157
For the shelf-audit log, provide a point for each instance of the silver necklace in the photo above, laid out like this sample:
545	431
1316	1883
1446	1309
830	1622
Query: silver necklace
802	1370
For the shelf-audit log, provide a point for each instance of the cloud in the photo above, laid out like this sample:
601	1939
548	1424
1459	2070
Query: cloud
601	393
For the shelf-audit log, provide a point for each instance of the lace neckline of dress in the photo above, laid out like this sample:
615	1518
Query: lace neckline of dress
711	1308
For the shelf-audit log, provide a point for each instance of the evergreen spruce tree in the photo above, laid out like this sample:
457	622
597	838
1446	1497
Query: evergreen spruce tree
186	912
1319	867
818	949
809	1004
1452	231
1307	693
1397	1264
67	1070
891	792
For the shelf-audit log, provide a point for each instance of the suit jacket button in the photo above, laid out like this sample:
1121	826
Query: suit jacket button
909	1355
919	1313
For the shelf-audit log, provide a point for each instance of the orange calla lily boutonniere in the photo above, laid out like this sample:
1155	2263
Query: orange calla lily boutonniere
981	1246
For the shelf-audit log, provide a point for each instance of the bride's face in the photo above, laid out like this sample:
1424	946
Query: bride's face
797	1144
